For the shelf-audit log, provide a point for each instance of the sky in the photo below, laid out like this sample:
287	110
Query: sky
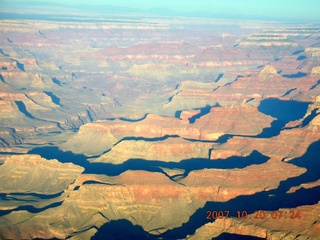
305	10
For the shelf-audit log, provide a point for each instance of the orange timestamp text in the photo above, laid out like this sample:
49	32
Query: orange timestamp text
261	214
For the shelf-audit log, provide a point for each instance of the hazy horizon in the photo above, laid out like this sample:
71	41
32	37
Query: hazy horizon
297	11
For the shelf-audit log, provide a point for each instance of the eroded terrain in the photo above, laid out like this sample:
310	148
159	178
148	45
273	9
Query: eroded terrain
145	124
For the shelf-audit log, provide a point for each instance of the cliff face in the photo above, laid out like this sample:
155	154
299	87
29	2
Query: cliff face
291	142
267	228
123	198
19	170
147	124
168	150
217	122
158	204
30	182
269	71
315	72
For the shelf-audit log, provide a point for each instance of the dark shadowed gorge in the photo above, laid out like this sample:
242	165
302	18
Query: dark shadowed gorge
120	123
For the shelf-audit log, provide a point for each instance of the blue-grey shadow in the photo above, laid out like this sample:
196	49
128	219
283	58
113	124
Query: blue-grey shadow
188	165
284	111
265	200
295	75
122	229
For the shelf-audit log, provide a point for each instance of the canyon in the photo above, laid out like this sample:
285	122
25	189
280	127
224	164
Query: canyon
119	125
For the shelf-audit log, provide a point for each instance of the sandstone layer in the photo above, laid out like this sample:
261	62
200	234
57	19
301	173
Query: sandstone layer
115	122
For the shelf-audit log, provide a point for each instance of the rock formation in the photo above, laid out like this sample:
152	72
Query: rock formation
269	71
95	138
157	205
315	72
144	124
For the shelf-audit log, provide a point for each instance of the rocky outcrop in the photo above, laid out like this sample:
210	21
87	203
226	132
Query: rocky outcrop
128	196
9	137
233	119
222	185
315	72
95	138
269	71
32	183
287	145
267	228
33	174
291	142
171	115
168	150
157	204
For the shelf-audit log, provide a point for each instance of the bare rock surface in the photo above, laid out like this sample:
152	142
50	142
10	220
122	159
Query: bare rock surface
143	124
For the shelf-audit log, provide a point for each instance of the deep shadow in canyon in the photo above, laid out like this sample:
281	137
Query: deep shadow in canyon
311	161
229	236
30	208
266	200
54	98
203	111
138	164
187	165
310	117
124	229
316	85
295	75
22	108
284	111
